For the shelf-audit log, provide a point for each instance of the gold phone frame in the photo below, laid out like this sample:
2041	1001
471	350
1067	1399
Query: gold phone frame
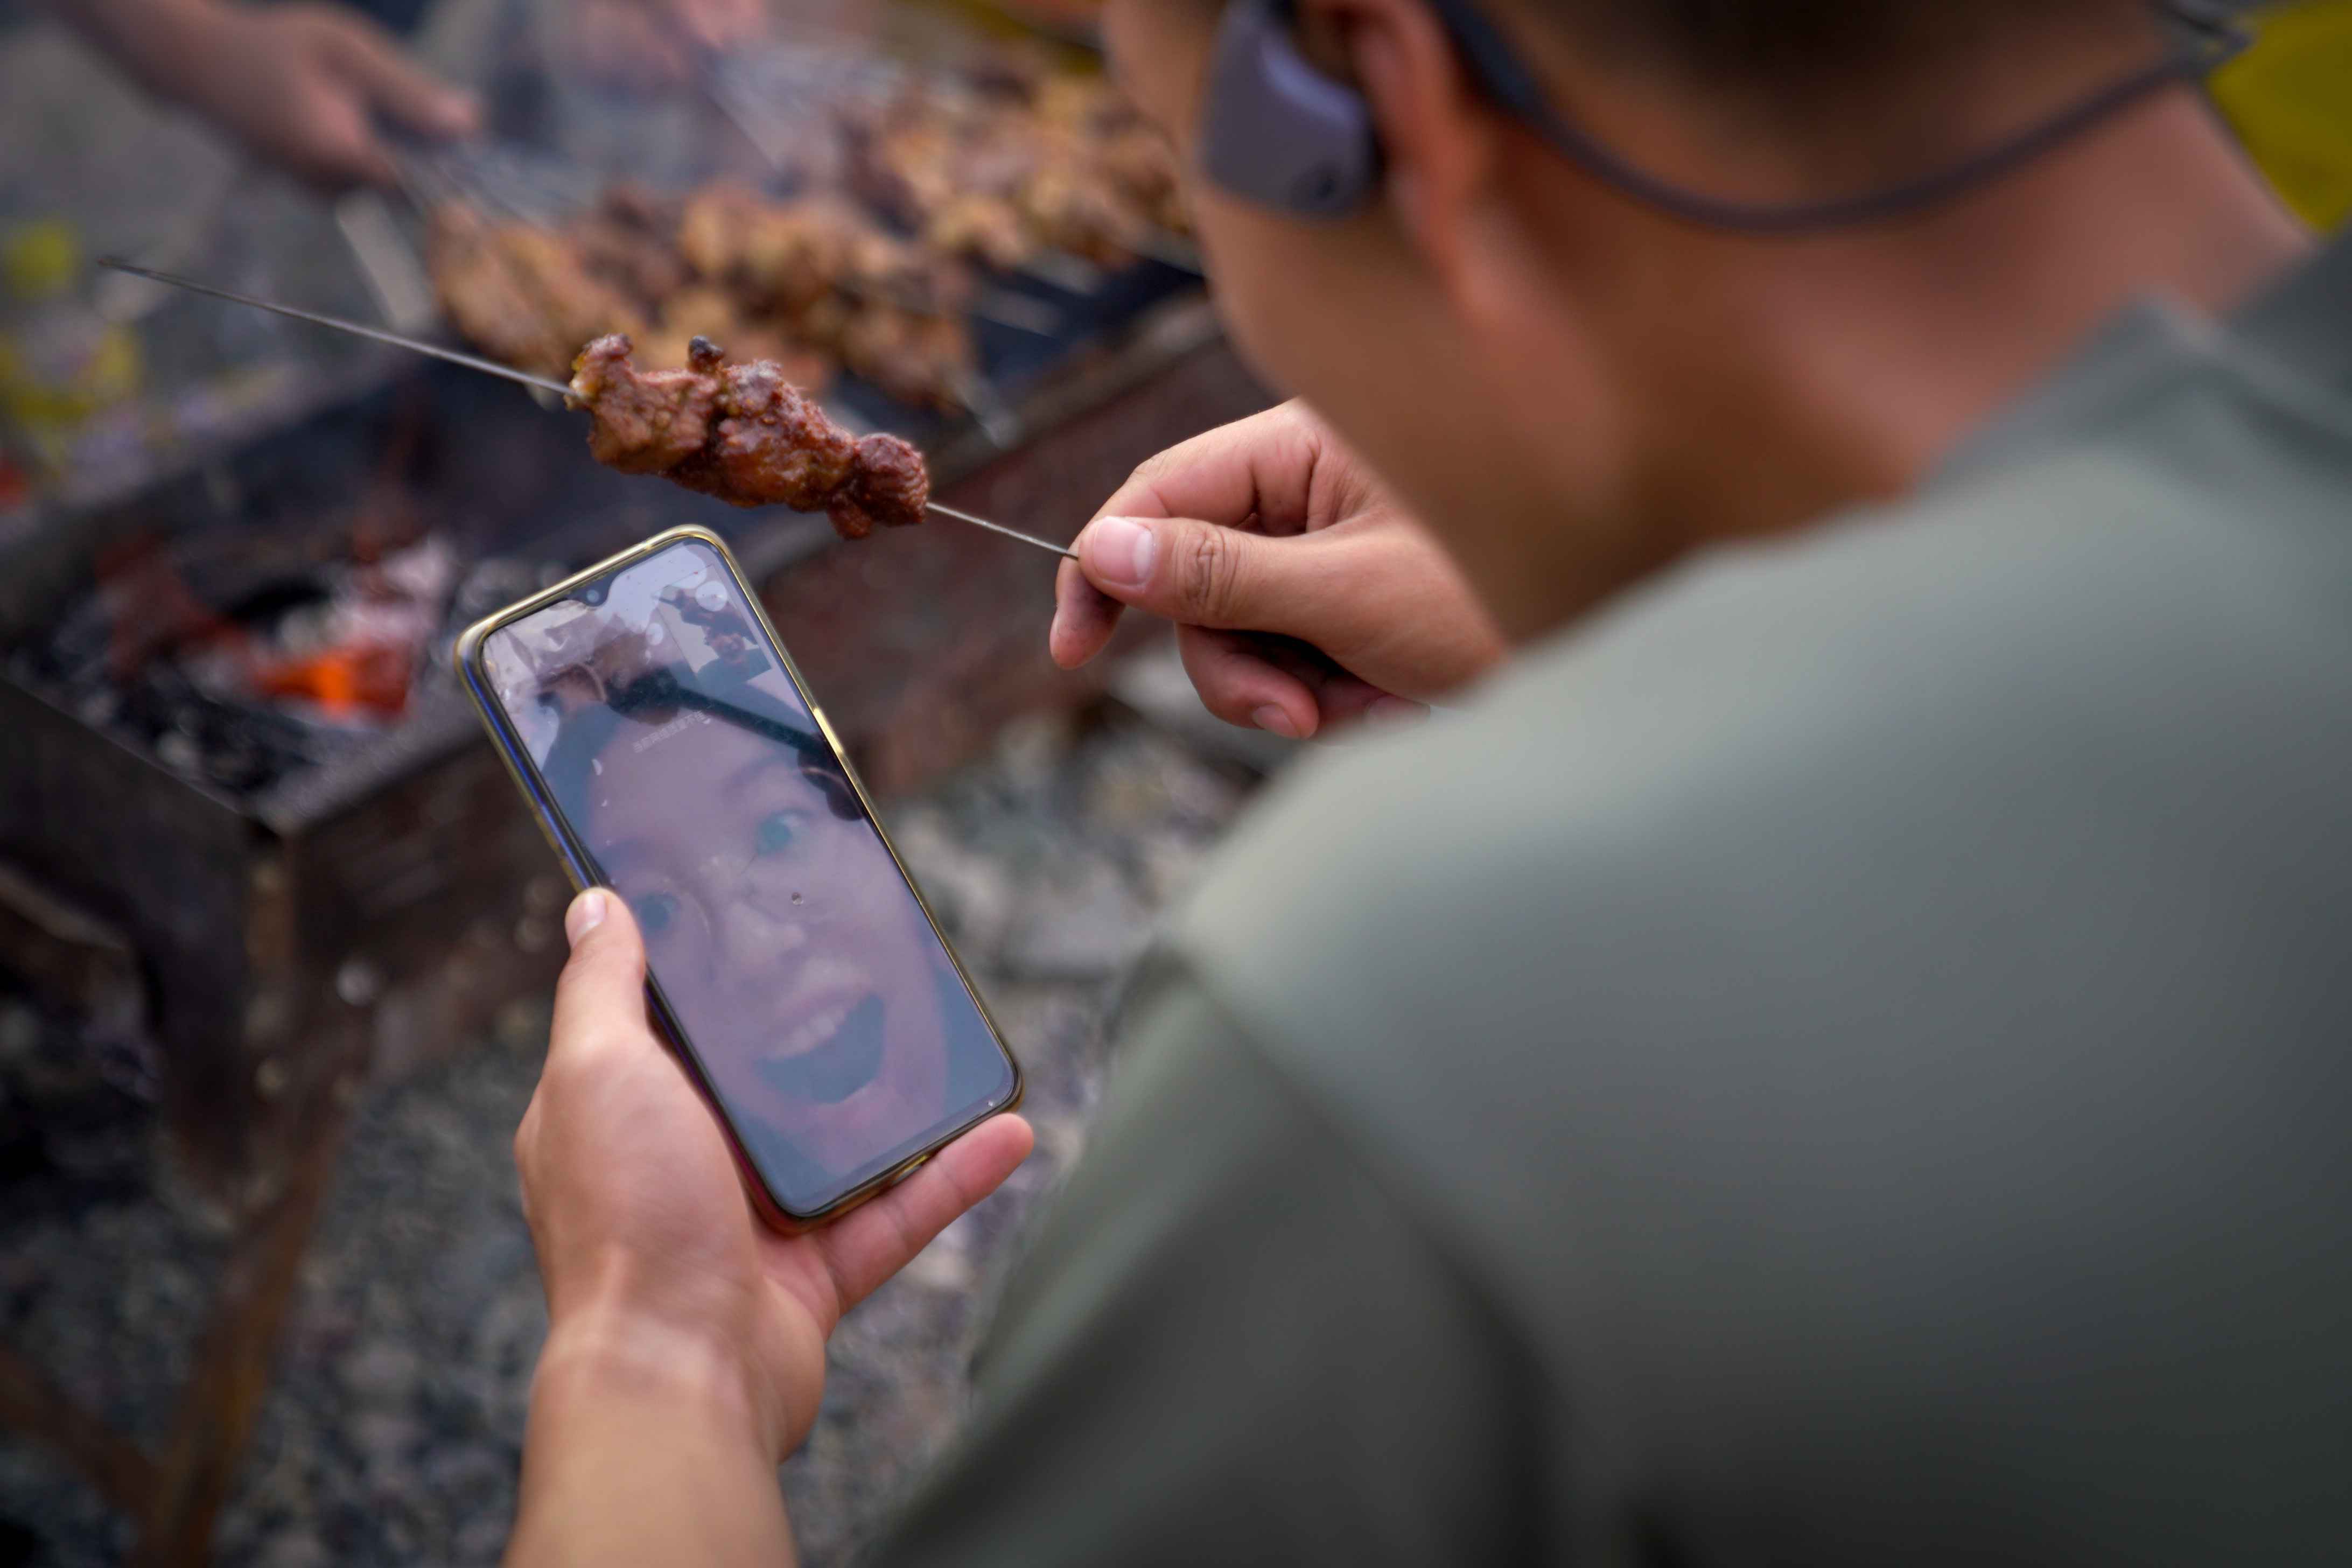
578	863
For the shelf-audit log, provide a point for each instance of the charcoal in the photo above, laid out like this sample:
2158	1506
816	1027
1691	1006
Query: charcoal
228	607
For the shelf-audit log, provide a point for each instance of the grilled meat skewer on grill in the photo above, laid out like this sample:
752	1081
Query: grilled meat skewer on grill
522	294
773	443
743	433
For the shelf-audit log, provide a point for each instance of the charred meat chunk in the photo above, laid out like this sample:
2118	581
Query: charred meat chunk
645	422
892	481
775	445
744	433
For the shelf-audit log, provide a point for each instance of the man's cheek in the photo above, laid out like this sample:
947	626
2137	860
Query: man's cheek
1121	52
1158	63
1252	279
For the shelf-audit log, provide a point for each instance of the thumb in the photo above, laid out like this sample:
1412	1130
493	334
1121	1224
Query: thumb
600	999
1198	573
399	88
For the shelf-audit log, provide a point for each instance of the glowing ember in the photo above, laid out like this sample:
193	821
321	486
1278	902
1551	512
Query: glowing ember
351	654
360	680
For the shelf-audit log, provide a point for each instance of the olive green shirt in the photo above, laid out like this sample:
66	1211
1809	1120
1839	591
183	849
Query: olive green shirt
1845	1059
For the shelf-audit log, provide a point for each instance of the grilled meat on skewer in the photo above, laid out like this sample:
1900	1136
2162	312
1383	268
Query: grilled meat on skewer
520	292
787	255
917	359
642	422
701	310
1076	207
1100	128
988	228
820	273
743	433
628	240
734	236
639	206
1037	168
888	484
997	182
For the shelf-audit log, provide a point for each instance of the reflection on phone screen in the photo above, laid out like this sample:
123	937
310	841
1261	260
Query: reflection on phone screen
806	982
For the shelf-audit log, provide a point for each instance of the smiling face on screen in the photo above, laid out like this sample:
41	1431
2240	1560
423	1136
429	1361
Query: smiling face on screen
781	931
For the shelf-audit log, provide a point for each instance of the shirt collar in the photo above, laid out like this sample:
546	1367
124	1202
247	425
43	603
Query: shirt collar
2303	325
2306	322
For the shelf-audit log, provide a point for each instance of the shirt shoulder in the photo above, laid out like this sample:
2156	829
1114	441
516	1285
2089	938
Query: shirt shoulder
1749	679
1692	868
1171	1376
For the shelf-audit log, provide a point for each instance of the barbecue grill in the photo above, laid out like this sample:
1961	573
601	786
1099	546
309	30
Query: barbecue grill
268	897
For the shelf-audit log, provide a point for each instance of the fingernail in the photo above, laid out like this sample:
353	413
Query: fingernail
586	913
1120	550
1395	710
1275	722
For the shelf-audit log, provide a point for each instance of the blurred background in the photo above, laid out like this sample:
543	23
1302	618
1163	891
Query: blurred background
275	934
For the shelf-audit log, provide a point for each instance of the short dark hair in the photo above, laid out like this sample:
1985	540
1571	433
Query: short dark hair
655	696
1809	41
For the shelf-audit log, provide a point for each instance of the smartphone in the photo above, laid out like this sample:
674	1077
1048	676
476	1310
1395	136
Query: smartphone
670	748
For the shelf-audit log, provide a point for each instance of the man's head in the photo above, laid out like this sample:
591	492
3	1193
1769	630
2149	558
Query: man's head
1525	351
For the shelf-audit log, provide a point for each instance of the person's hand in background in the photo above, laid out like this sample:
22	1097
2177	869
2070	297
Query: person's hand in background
1303	594
658	45
685	1353
307	87
716	24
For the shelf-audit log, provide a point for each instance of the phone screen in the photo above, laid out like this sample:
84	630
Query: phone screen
797	967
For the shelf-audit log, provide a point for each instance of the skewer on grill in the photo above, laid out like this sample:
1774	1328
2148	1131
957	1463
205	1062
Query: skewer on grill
430	188
491	367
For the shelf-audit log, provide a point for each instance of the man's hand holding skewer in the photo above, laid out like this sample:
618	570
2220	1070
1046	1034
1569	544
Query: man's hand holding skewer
1305	595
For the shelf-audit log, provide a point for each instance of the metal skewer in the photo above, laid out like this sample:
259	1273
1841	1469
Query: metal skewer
489	367
397	339
1046	544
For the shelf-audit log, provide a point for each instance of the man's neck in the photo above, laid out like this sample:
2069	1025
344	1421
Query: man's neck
1863	361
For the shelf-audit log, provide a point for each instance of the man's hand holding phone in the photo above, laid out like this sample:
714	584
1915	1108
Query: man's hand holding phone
1304	594
682	1330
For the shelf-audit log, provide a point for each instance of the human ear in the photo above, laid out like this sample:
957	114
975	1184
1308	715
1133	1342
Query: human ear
1437	138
